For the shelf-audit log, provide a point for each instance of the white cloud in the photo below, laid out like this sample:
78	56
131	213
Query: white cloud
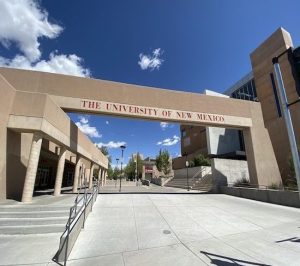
83	119
151	61
169	141
24	22
111	144
164	125
57	63
85	127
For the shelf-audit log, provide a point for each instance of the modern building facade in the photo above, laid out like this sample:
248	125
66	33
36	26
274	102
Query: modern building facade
258	86
41	148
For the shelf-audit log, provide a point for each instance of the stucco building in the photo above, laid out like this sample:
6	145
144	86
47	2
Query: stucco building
258	86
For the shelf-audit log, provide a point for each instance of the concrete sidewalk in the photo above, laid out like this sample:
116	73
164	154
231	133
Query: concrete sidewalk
113	186
169	229
161	230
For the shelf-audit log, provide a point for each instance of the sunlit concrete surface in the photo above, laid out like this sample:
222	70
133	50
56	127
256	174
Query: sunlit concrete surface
134	230
113	186
31	249
168	229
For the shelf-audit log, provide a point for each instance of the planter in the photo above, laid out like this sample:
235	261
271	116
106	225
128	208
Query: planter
281	197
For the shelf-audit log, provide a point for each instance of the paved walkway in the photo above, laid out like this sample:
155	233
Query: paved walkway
113	186
161	230
170	229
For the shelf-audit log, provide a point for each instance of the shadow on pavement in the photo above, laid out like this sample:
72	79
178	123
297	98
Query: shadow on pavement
225	261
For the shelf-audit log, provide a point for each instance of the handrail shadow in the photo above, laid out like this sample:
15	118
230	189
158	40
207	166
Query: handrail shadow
220	260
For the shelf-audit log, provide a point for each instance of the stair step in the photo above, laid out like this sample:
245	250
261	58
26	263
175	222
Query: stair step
31	229
34	214
25	208
33	221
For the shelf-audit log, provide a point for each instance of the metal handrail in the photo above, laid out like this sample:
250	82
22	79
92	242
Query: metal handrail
74	215
197	173
203	178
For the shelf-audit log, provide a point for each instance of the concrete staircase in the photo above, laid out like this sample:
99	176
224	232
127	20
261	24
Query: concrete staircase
32	219
179	182
204	184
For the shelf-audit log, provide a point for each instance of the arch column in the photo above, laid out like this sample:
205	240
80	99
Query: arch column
103	177
91	175
77	173
32	167
60	171
99	176
83	174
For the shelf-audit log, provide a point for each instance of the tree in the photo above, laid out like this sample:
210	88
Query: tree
162	162
130	169
201	160
104	150
110	171
116	173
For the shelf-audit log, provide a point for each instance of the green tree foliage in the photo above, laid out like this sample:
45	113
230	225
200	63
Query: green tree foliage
290	181
110	171
201	160
130	169
104	150
162	162
116	173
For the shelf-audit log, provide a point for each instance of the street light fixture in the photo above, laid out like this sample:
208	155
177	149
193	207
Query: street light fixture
117	159
122	148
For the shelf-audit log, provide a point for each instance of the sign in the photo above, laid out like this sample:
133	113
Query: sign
162	114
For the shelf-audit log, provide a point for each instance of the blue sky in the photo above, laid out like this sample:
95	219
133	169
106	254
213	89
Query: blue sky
202	45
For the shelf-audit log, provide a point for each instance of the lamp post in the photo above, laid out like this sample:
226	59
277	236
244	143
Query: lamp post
122	148
187	170
117	159
287	116
136	167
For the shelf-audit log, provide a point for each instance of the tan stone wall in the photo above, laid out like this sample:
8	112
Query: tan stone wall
7	95
68	93
19	145
47	117
261	59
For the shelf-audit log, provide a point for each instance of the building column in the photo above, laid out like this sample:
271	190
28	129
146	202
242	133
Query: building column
77	173
32	167
82	179
60	171
91	175
105	177
99	176
102	177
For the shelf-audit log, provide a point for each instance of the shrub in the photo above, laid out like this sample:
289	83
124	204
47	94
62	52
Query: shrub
191	164
242	182
201	160
274	186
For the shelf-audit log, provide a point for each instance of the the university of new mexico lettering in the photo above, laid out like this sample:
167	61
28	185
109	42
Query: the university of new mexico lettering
163	114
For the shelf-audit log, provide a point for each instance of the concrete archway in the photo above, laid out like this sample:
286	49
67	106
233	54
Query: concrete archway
86	95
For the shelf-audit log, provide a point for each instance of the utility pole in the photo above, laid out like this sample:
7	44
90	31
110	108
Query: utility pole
287	118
